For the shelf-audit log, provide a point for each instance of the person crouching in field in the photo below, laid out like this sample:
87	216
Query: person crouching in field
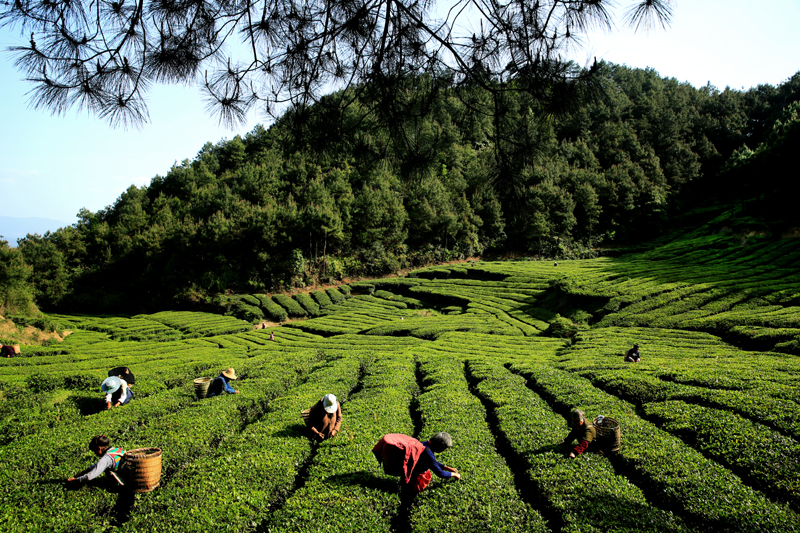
112	459
8	350
633	355
117	392
222	383
413	460
324	418
123	372
582	430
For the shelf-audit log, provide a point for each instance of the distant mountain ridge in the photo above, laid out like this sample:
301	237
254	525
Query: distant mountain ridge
13	228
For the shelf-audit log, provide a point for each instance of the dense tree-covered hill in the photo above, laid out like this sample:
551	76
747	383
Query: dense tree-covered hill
322	195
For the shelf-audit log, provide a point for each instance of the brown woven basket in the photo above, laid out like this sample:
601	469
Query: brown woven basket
144	468
609	434
304	414
16	348
201	387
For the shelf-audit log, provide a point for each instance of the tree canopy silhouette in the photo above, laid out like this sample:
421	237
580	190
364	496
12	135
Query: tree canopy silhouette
104	55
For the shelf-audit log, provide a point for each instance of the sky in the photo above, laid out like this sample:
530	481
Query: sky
53	166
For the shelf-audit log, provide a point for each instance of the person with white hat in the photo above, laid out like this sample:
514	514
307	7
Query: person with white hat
117	391
324	418
222	383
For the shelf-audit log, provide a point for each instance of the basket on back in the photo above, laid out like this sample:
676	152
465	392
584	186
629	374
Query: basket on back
201	387
144	468
305	414
608	433
16	348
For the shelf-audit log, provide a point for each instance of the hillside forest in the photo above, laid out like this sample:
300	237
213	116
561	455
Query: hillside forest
324	195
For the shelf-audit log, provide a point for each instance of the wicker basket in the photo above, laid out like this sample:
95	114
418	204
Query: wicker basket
304	414
201	387
16	348
144	468
609	435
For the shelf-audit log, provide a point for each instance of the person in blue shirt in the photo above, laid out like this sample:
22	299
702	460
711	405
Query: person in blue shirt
427	463
222	383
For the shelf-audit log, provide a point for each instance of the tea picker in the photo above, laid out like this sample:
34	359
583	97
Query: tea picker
582	430
123	372
222	383
117	392
633	355
324	418
413	460
111	459
8	350
140	468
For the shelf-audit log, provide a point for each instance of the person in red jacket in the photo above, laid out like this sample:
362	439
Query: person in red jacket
413	460
582	430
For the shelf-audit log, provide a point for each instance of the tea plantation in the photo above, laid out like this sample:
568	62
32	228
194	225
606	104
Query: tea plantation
495	353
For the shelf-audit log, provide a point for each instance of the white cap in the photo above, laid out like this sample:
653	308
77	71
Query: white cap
329	403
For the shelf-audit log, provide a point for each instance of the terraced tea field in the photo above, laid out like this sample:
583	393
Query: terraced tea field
495	353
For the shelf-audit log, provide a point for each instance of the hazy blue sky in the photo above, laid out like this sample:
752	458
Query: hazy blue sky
51	167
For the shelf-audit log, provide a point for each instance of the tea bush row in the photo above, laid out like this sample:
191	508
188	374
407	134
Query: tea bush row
272	310
345	489
197	323
768	460
486	498
676	476
249	472
584	494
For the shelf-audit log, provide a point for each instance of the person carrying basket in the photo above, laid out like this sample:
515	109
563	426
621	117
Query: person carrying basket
582	430
112	459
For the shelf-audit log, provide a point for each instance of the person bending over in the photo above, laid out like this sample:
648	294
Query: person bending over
582	430
222	383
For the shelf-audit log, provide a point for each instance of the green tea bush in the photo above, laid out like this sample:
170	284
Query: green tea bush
456	505
272	310
335	296
308	303
322	299
606	502
293	308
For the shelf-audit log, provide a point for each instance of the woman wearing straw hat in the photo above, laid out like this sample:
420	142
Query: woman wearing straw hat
222	383
324	418
117	391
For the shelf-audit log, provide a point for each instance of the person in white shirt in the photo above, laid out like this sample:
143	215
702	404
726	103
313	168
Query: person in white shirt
117	392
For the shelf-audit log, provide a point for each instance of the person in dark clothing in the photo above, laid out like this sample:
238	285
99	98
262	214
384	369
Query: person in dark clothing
123	372
7	350
633	355
324	418
582	430
222	383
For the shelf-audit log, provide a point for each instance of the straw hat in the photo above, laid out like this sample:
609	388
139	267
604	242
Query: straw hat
329	403
111	385
230	374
